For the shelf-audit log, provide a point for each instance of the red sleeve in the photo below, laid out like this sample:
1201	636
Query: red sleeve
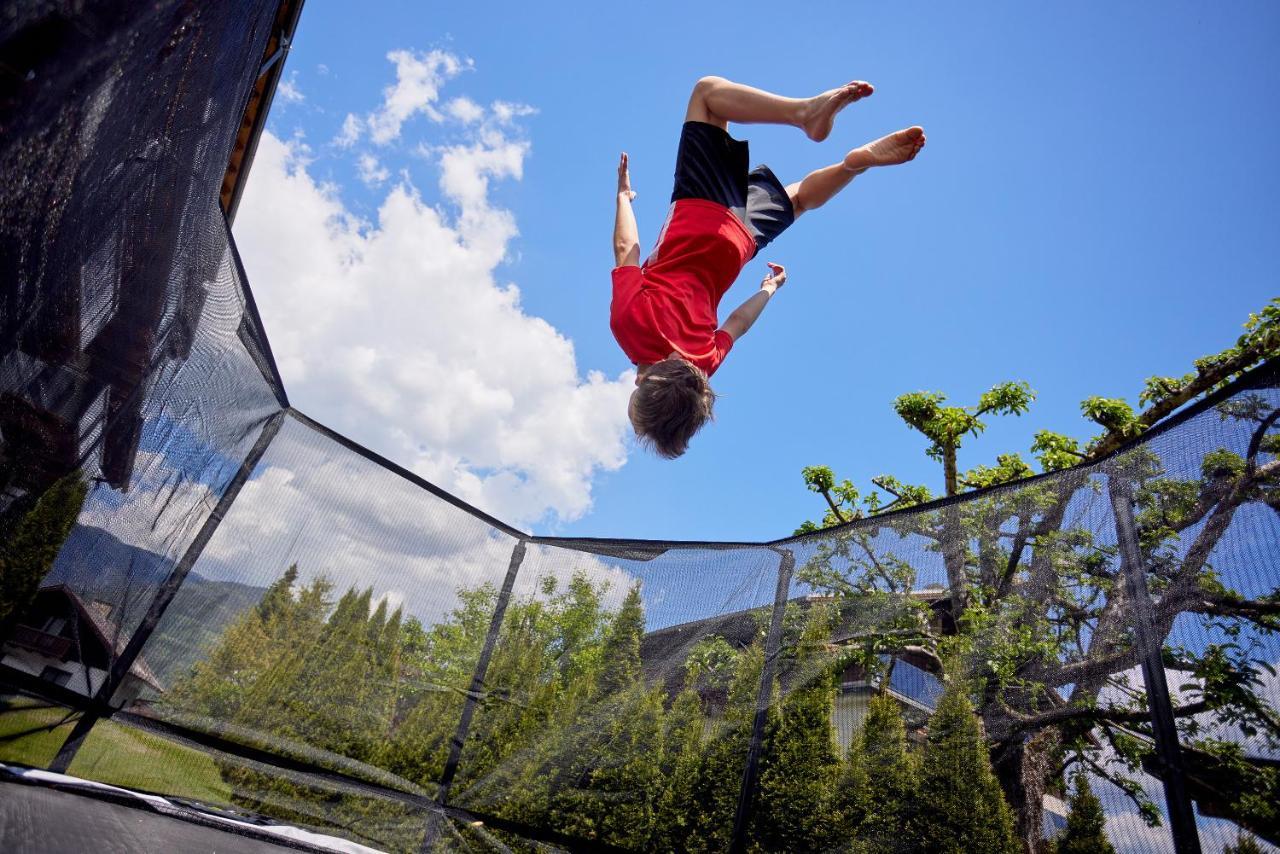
627	282
723	344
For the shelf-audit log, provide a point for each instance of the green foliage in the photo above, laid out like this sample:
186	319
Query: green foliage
1112	413
881	805
798	768
1035	575
1008	468
1222	464
621	653
1084	833
1157	389
945	426
963	808
1056	451
29	552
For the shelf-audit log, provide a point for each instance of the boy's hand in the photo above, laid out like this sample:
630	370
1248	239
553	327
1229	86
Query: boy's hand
777	278
624	178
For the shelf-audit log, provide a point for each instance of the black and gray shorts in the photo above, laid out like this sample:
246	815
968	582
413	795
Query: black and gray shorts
712	165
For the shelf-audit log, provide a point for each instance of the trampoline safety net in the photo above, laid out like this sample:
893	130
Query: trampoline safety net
207	595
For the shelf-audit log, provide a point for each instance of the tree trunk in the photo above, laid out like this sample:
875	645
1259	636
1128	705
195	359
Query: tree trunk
1023	770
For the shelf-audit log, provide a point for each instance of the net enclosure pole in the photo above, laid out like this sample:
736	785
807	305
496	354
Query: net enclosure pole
474	692
1182	819
772	644
163	597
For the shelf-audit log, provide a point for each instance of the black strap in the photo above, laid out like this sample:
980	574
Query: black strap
1182	817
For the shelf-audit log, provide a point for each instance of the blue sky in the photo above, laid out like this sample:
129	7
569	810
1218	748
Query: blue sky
1097	204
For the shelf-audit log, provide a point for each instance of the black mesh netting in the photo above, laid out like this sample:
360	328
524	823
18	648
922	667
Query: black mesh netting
208	596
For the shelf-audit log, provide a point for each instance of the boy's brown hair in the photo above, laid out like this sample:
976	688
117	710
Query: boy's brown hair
671	403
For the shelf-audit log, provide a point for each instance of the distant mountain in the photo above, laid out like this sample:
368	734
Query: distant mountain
100	567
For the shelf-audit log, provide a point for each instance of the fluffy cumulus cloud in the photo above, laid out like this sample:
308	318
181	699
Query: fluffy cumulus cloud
372	172
416	90
401	330
334	513
288	91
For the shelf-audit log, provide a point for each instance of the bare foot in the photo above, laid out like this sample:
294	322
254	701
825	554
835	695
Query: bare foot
819	112
898	147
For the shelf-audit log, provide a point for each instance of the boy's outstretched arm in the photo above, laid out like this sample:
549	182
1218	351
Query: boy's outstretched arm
745	315
626	236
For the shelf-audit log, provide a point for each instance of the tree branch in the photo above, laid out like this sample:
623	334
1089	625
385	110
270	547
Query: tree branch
1203	382
834	509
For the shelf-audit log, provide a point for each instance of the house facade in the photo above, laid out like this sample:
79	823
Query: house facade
66	640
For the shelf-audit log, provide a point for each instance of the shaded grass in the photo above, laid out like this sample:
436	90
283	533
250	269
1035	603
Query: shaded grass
115	754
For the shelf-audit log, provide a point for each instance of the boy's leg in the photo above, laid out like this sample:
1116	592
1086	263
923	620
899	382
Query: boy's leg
718	101
818	187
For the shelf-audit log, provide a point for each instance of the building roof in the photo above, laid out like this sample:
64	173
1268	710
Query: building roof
107	631
254	120
663	651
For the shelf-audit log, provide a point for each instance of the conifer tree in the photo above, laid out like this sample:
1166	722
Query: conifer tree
718	779
799	766
798	770
675	808
1085	833
881	783
279	596
28	555
621	652
962	807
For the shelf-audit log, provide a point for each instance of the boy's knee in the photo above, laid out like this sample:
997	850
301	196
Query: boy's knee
705	84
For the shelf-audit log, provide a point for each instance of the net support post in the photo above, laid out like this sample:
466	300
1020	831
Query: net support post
437	817
100	704
772	644
1182	818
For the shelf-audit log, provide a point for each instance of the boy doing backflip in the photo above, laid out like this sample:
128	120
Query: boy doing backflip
663	312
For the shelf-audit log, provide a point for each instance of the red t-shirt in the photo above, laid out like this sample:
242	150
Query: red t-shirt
670	303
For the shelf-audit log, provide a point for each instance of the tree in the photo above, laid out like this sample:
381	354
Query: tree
798	769
1036	609
621	653
29	551
881	793
1085	832
962	807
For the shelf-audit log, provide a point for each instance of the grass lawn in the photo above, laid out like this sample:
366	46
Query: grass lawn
112	753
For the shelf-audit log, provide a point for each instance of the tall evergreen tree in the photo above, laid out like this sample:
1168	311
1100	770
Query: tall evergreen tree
1085	832
799	766
675	808
718	779
879	804
962	807
798	771
620	667
28	555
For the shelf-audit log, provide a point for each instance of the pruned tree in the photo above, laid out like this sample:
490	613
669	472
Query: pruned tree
1035	610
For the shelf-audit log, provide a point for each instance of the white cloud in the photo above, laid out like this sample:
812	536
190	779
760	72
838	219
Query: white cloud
335	513
323	69
372	173
173	504
352	127
506	112
401	333
419	77
288	90
464	110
